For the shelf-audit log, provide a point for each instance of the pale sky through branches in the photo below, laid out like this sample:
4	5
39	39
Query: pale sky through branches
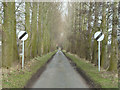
64	9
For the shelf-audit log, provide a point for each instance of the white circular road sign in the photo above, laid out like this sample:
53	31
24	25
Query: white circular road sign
22	35
99	36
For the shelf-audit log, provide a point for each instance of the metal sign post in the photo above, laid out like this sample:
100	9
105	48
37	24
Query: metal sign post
22	36
99	36
99	55
22	54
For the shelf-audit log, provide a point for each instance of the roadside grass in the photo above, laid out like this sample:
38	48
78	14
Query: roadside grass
104	78
18	78
0	78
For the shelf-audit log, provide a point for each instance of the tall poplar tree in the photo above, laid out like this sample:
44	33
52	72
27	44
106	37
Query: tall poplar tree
9	43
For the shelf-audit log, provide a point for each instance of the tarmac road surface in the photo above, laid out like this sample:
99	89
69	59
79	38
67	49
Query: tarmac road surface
60	74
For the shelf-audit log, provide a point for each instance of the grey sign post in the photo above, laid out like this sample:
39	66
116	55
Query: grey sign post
99	36
22	36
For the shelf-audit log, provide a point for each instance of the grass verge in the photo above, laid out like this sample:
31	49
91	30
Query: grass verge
18	78
104	78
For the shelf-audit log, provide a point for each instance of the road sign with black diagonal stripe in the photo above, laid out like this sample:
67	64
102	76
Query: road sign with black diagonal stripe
22	35
99	36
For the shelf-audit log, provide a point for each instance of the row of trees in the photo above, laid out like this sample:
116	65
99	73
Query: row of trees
84	19
40	20
43	22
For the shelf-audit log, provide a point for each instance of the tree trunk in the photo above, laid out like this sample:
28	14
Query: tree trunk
34	30
104	42
9	43
114	48
89	34
119	47
27	28
39	29
95	28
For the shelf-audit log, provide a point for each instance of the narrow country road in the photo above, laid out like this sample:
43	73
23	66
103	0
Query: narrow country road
60	74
